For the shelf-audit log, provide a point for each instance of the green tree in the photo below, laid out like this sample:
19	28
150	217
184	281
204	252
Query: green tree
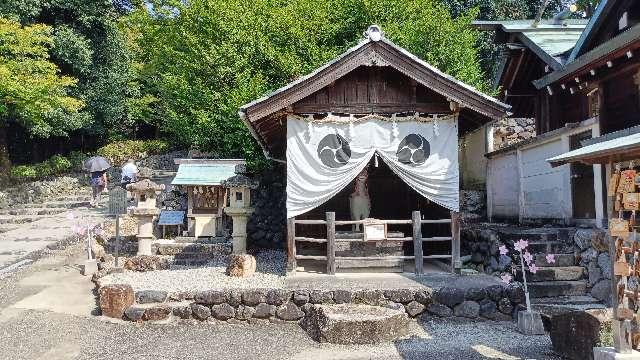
196	62
32	91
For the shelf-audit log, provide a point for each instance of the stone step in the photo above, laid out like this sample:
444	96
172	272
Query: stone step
560	260
70	198
534	234
557	288
548	247
201	240
20	219
566	300
198	256
556	273
56	204
391	264
33	211
189	262
6	228
169	247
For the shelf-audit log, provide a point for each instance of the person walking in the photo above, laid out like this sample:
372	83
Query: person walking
98	184
97	167
129	173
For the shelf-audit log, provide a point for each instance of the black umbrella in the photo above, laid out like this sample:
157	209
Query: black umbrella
96	163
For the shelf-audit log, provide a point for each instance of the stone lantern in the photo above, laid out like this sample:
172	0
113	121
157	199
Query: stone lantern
239	188
145	193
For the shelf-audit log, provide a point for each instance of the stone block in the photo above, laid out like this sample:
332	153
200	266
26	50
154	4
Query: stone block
210	297
265	311
440	310
278	296
156	313
289	312
370	297
146	263
254	297
487	309
414	308
342	296
223	311
134	313
234	297
200	312
424	296
504	306
115	299
530	323
468	309
495	292
609	353
399	295
321	297
301	297
602	291
245	312
604	262
575	333
183	312
354	324
450	296
241	265
150	296
475	294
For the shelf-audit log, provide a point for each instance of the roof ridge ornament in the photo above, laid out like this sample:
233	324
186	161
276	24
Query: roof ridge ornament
374	33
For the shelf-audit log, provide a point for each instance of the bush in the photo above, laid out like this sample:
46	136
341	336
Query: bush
118	152
55	165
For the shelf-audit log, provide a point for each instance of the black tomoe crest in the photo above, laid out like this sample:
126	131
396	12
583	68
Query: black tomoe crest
334	151
413	150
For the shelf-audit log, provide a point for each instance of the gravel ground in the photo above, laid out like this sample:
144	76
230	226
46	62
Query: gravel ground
42	335
270	273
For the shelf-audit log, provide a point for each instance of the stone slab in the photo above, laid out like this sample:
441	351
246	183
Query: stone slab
609	353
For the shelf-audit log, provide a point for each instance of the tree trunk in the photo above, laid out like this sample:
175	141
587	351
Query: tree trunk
5	162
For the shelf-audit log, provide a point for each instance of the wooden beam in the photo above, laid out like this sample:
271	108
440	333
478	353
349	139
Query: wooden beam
456	264
367	108
291	245
331	243
417	242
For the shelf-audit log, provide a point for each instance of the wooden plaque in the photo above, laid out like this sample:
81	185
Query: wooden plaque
619	227
630	201
613	184
117	201
375	230
627	181
622	269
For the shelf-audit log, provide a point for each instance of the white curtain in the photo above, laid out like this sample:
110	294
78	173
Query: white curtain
325	156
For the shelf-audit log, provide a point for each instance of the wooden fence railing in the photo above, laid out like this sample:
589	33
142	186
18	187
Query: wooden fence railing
417	239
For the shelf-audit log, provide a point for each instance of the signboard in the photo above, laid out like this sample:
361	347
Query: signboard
374	230
117	201
171	217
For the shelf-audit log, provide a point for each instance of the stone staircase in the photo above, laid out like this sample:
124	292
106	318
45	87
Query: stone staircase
190	251
563	282
12	218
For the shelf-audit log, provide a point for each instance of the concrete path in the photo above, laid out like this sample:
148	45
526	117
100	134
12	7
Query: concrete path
29	240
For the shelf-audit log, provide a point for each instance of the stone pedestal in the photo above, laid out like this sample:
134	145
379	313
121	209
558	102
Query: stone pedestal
530	323
89	267
239	218
609	353
145	228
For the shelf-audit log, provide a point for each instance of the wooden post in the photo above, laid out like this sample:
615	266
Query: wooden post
456	264
117	238
331	243
291	245
417	242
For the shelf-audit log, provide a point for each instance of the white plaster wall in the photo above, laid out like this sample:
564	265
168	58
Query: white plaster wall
473	163
503	187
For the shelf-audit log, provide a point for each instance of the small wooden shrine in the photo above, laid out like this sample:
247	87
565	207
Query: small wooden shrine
203	179
370	142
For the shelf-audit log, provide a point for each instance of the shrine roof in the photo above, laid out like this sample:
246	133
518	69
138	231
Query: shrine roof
615	147
205	171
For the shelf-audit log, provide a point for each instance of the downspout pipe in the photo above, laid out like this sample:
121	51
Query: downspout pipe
255	135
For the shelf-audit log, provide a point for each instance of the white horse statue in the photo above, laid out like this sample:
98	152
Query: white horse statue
359	200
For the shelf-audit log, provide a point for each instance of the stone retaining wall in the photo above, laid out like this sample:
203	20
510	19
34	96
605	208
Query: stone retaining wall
495	302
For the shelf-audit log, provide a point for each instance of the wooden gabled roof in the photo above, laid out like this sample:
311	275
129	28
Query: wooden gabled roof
374	50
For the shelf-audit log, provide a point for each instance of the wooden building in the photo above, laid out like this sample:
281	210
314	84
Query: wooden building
367	100
590	92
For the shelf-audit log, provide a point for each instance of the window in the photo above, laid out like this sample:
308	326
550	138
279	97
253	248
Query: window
593	99
238	196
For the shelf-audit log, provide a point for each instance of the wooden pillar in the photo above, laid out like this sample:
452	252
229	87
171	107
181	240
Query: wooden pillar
417	242
291	245
456	264
331	243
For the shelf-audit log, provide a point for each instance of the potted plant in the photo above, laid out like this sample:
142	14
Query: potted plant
529	321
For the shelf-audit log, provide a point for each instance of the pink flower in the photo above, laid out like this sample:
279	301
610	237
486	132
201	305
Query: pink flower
533	268
503	250
551	259
506	278
521	245
528	257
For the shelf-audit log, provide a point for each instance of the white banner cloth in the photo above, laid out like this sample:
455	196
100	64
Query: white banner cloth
324	157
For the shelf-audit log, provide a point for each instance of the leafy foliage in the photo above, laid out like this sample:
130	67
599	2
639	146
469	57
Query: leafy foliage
32	92
195	64
120	151
56	165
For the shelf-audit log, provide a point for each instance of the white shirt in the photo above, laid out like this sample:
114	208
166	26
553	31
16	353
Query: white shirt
129	170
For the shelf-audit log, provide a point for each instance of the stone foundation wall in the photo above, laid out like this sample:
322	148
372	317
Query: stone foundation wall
43	190
512	131
495	302
266	228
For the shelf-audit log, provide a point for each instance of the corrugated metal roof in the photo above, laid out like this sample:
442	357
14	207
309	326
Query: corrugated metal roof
526	25
591	153
205	173
554	43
